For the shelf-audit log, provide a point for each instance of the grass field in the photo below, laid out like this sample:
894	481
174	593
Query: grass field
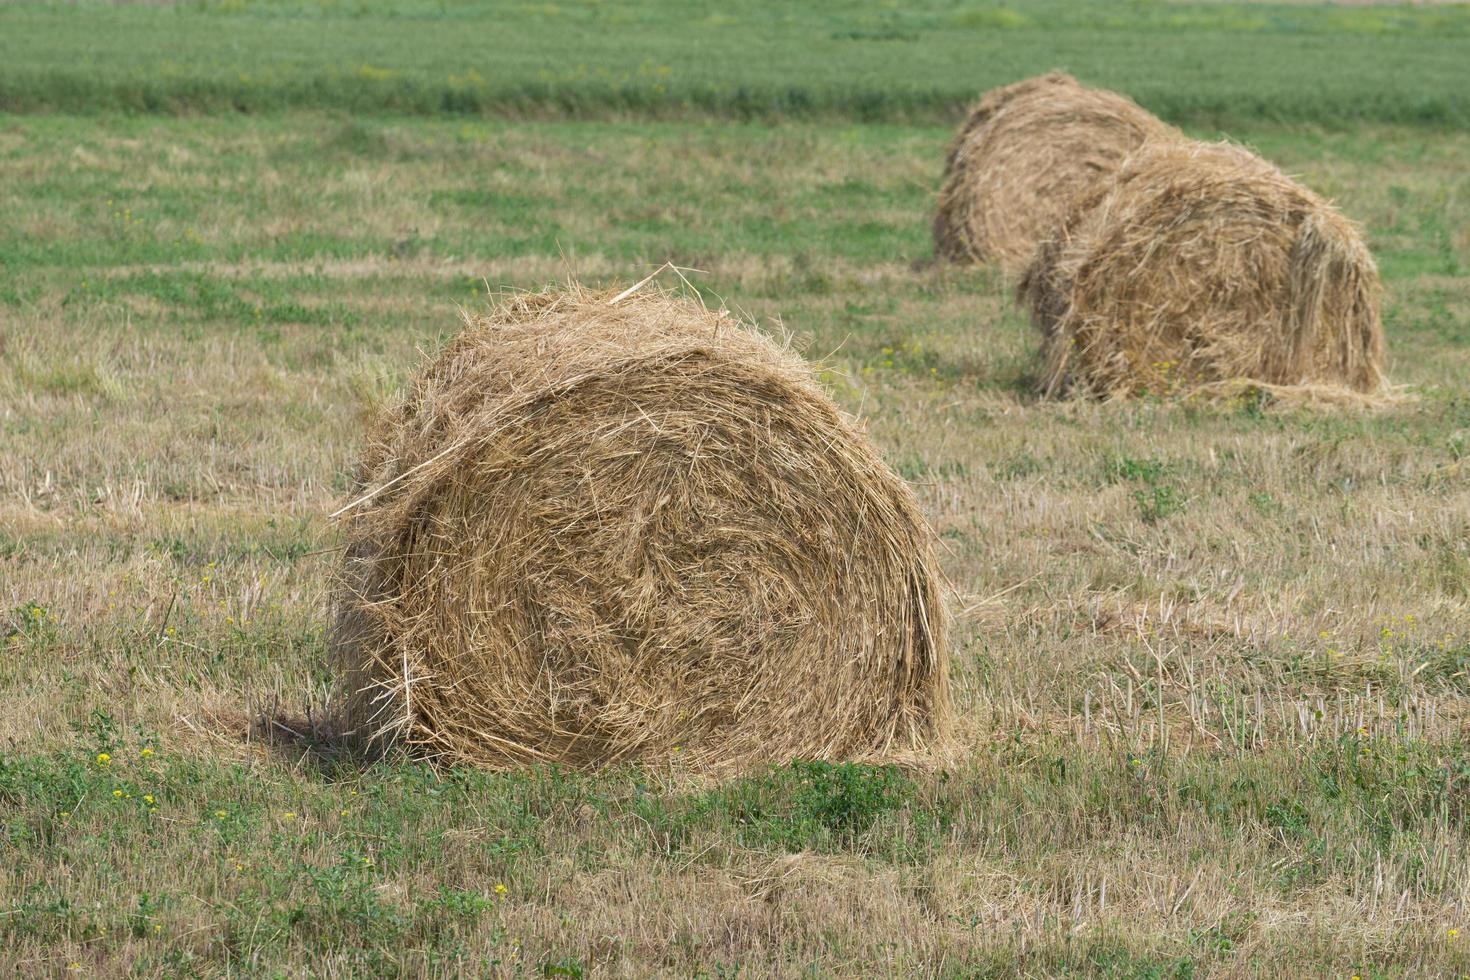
1214	660
888	61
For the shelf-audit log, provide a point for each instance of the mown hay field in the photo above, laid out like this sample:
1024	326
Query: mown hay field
1210	662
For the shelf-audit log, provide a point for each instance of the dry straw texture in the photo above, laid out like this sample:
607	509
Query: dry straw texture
607	531
1023	154
1202	265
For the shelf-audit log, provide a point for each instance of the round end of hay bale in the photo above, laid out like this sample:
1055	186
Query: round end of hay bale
594	532
1202	263
1021	157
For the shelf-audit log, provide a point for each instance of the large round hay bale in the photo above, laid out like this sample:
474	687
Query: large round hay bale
1202	263
595	531
1018	161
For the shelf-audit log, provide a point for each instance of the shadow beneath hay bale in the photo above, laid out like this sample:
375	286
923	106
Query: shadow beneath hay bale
315	736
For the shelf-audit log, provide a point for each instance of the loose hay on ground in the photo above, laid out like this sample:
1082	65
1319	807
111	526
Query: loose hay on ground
592	532
1023	154
1202	264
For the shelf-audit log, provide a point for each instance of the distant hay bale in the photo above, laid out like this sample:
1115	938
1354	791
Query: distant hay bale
1023	154
592	532
1202	264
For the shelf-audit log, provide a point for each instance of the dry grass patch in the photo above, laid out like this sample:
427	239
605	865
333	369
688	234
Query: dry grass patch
1224	594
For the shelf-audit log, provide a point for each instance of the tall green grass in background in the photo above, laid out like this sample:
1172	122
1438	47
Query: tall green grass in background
911	61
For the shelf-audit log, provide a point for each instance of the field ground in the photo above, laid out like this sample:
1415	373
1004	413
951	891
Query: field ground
1212	672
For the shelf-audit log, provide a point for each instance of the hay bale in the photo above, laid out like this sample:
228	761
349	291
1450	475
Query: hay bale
597	532
1202	264
1023	154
